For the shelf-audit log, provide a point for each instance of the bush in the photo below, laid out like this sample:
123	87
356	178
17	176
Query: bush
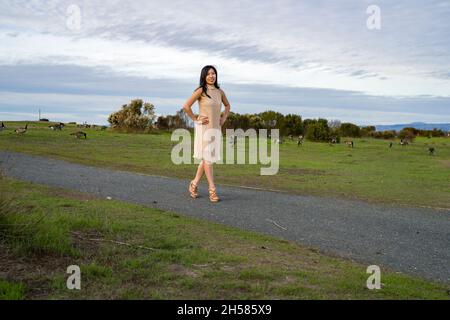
180	120
432	133
350	130
388	134
135	116
293	125
368	131
317	130
408	133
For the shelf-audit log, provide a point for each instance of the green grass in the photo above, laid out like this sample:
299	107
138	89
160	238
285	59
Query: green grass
371	171
11	291
183	258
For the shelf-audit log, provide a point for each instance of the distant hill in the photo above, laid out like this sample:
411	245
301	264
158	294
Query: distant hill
417	125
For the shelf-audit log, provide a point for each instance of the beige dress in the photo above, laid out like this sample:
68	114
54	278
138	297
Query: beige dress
208	144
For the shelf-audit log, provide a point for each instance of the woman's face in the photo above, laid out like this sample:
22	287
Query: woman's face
211	77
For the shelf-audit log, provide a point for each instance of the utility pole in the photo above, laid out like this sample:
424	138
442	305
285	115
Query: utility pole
39	115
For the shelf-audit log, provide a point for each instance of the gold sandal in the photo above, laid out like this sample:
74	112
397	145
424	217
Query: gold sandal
193	189
212	195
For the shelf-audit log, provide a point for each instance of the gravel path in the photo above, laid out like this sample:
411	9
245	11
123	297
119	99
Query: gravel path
409	240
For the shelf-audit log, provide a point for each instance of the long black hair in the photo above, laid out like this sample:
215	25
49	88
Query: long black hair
203	75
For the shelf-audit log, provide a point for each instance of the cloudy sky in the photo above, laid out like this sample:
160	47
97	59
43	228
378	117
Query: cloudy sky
81	60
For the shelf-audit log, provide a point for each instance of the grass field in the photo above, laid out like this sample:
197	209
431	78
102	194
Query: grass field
371	171
128	251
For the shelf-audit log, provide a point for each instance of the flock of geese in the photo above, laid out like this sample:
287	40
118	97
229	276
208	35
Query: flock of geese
22	130
80	134
19	130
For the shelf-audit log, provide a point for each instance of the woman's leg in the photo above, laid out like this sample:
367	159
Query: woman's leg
199	174
209	174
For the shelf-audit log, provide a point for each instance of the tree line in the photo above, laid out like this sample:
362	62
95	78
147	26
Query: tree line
138	116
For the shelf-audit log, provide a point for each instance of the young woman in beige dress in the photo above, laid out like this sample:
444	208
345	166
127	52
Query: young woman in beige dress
210	98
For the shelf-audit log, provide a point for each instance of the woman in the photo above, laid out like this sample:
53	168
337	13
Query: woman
210	98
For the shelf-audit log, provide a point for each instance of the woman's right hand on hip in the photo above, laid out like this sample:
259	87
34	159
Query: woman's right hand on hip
202	119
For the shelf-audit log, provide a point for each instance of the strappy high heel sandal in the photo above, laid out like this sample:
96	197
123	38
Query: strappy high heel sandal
193	189
213	195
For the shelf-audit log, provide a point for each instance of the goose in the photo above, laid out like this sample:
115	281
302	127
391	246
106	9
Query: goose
79	134
2	127
349	143
22	130
57	126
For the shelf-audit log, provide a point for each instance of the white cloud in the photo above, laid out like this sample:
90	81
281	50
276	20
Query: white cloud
304	44
313	45
157	61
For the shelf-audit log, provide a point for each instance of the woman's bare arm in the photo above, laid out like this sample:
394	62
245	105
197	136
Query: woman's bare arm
187	107
227	108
